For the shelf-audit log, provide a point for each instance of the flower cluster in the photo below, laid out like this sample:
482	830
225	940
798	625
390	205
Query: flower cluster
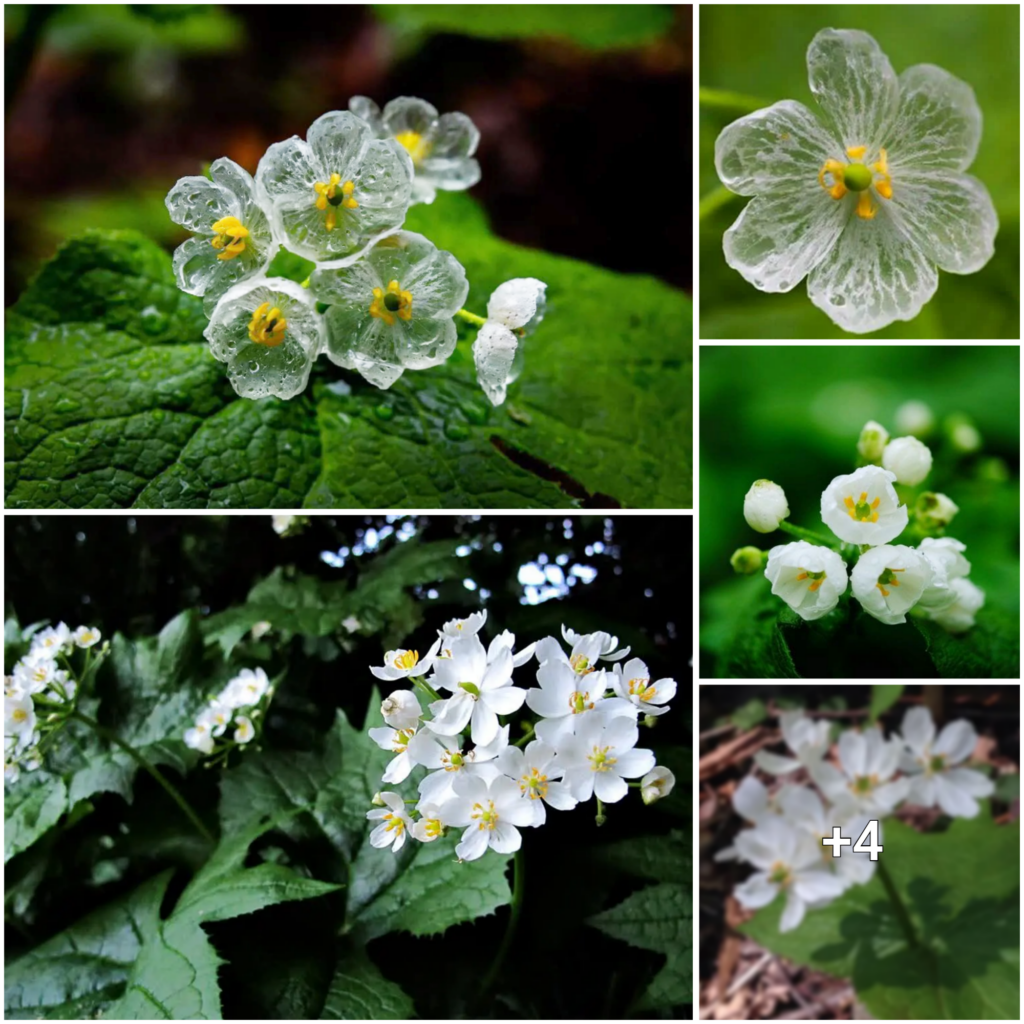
865	512
239	706
583	744
41	694
869	201
872	777
339	197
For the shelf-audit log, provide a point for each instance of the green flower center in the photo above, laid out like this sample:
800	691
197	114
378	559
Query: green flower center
857	177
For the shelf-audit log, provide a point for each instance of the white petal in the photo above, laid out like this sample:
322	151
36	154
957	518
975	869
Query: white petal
514	303
774	764
956	741
949	217
953	800
756	891
581	783
560	797
399	768
938	126
971	782
634	763
750	800
504	700
922	791
873	276
817	885
512	762
381	837
473	844
853	752
506	838
555	731
609	788
484	724
855	84
493	353
918	729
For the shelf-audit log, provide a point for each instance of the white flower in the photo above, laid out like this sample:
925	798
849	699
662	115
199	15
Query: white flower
862	507
788	860
431	823
632	682
872	441
232	240
35	671
268	332
657	784
868	202
867	762
338	192
469	626
441	148
944	555
446	759
393	823
260	629
959	616
889	580
53	639
507	640
401	710
807	739
392	310
19	724
492	811
808	577
935	511
514	310
915	418
396	740
536	771
200	738
401	664
282	524
86	636
246	689
351	623
607	644
244	730
930	762
482	690
909	459
217	717
764	506
563	699
599	758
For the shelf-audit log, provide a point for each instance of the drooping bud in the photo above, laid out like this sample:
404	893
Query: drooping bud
656	784
401	709
765	506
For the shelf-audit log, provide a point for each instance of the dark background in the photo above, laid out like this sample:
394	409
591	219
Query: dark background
584	152
135	573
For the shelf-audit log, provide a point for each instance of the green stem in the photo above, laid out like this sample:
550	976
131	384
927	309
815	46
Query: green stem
600	819
723	99
151	768
518	888
714	201
816	538
897	904
528	735
472	317
422	683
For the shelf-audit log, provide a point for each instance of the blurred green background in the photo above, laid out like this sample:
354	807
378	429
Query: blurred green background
793	414
760	52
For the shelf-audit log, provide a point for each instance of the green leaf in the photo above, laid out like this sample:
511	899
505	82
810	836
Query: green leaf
750	714
659	858
960	891
113	399
883	697
595	26
359	991
80	972
658	918
990	649
174	976
32	806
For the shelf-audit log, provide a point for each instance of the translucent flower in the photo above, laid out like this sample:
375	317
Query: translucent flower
657	784
889	580
862	507
338	192
632	682
492	812
765	506
394	823
861	784
86	636
909	459
268	332
867	202
931	764
514	310
392	311
808	577
600	757
945	556
536	771
441	148
400	664
401	710
808	740
872	441
788	860
959	616
232	239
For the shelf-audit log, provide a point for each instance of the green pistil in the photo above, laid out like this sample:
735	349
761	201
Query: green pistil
888	577
862	784
392	302
937	763
815	575
857	177
471	688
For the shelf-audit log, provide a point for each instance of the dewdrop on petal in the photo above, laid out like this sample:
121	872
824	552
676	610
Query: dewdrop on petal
514	310
909	459
656	784
765	506
872	441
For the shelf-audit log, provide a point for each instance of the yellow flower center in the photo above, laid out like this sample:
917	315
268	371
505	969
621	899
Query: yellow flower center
394	823
267	326
639	688
401	740
487	817
433	827
816	578
888	578
415	145
862	510
838	178
581	664
407	659
780	874
534	785
452	760
580	702
387	304
334	193
228	238
599	759
20	714
863	784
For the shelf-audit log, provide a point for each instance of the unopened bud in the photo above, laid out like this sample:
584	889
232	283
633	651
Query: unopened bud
935	511
915	418
765	506
747	560
873	439
909	459
656	784
377	800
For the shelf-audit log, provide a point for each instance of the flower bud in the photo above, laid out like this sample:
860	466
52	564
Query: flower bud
963	434
401	710
935	511
915	418
764	506
378	800
873	439
656	784
260	629
908	458
747	560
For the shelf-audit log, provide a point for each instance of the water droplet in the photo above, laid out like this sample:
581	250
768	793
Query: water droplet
153	321
384	412
65	405
456	431
254	367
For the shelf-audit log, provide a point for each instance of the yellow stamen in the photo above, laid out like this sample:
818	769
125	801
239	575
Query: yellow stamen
639	688
386	305
835	168
599	759
415	145
486	817
333	193
865	208
228	238
407	659
267	326
534	785
394	822
856	152
861	510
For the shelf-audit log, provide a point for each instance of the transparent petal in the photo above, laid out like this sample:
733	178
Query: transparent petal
364	107
383	184
339	141
258	371
422	343
409	114
455	136
938	125
196	267
778	149
779	239
855	84
422	190
287	172
493	353
951	218
515	303
349	286
196	203
351	331
873	276
449	174
438	284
